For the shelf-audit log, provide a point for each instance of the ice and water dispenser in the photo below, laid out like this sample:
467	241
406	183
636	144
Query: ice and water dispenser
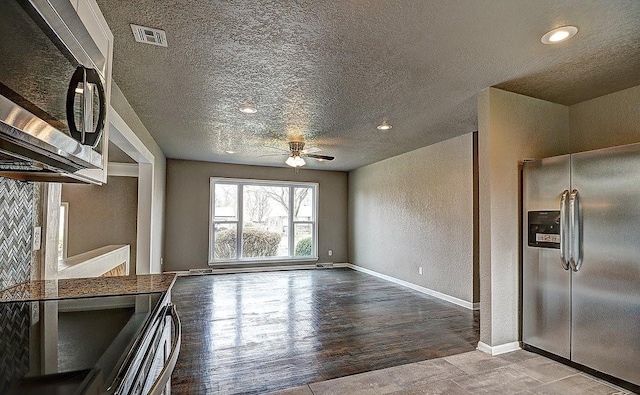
544	229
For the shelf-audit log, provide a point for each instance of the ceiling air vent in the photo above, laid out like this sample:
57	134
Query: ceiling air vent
148	35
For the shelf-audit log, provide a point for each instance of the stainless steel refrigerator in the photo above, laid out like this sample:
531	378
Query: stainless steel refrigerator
581	259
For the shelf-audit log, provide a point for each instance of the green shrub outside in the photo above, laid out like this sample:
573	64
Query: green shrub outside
304	247
255	242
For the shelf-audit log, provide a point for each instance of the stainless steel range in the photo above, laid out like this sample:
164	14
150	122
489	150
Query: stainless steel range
101	345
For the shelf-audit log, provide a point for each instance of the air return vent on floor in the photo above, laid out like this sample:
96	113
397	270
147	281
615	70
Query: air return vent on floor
324	265
148	35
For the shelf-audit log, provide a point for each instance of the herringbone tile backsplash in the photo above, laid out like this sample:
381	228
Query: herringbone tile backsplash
17	209
14	343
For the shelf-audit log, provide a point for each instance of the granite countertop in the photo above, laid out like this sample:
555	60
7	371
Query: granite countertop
88	287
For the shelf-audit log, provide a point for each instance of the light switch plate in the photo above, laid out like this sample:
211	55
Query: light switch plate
37	237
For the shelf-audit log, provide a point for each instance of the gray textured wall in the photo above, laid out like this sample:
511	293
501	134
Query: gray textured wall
416	209
606	121
187	209
102	215
511	127
121	105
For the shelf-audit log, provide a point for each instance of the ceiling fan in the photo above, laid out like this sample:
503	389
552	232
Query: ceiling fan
297	153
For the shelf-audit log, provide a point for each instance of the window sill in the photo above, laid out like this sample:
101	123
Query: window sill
263	261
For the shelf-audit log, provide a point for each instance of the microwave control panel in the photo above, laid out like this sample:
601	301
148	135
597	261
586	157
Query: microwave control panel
544	229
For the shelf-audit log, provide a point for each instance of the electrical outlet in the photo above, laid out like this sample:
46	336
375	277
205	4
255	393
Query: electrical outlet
330	252
420	270
37	236
35	312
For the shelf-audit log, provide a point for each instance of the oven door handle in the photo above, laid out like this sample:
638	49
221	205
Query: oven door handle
161	382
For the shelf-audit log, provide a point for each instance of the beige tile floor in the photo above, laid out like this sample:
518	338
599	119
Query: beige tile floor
518	372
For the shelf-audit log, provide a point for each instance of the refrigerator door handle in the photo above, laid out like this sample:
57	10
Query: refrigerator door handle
575	253
564	228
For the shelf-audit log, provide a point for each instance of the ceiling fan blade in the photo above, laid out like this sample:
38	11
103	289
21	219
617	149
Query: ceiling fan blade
311	150
320	157
282	155
278	148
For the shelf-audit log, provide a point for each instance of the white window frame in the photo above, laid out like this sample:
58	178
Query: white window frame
241	182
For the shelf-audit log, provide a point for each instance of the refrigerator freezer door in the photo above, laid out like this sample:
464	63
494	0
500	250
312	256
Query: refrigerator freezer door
606	288
546	293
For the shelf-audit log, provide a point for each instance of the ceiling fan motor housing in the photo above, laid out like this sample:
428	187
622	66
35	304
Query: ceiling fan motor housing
296	146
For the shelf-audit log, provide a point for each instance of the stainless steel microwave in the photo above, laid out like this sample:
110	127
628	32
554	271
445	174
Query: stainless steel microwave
52	92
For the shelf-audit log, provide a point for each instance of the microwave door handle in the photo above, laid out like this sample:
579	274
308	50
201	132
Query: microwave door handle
564	229
575	258
161	382
87	108
94	80
90	134
77	78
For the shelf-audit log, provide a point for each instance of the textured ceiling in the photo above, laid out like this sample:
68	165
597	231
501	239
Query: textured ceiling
329	71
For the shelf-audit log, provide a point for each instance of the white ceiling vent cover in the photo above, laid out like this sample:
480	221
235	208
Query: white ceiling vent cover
148	35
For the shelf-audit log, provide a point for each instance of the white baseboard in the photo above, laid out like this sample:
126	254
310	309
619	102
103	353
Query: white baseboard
500	349
430	292
254	269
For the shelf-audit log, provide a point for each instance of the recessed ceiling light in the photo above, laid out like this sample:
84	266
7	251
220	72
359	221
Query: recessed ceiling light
558	35
230	152
384	126
248	108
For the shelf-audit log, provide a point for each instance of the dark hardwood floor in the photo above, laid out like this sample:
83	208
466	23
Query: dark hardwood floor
260	332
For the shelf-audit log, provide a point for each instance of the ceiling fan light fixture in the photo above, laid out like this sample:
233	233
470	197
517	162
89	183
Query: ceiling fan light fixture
384	126
290	161
295	161
248	108
559	35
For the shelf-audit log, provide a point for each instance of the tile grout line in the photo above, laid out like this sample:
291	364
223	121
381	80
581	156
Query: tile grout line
562	378
540	382
510	364
605	382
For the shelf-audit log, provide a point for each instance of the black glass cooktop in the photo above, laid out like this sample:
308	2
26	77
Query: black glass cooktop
67	344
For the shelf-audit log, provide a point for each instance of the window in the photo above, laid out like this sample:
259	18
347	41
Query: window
63	230
254	220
